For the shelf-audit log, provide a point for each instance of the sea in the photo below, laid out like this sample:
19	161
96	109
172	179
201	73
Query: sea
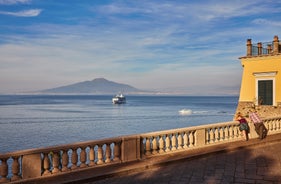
35	121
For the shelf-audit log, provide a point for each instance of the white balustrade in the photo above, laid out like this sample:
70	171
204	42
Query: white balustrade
273	125
65	158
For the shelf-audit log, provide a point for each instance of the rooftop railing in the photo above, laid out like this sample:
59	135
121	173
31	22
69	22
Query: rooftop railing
265	48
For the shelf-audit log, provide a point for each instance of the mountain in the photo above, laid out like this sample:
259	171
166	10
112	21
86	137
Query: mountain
96	86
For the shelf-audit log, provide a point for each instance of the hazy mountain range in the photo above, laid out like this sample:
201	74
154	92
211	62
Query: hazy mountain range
96	86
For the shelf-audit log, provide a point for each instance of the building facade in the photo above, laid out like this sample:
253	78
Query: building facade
261	79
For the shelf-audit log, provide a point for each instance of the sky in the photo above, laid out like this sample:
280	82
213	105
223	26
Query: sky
172	46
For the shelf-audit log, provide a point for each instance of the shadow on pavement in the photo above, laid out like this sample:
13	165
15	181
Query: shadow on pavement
257	164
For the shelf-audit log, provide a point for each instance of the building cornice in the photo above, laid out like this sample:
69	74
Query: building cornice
265	74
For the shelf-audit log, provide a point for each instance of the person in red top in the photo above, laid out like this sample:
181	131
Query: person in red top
243	125
258	123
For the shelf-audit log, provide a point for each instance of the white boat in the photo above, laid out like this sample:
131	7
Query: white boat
119	99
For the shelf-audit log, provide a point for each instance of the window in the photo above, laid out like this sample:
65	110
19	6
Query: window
265	92
265	88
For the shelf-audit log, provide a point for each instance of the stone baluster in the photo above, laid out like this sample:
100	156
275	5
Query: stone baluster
235	135
74	159
161	144
270	127
180	146
221	134
107	153
46	164
185	140
237	132
167	143
64	161
207	136
191	139
147	147
116	152
212	136
231	131
154	145
276	125
100	155
174	142
216	134
55	162
15	169
3	171
92	156
226	132
273	125
83	157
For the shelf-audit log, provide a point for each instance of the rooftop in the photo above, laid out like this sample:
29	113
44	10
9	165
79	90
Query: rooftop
263	48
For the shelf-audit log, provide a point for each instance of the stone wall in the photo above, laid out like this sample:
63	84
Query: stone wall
265	111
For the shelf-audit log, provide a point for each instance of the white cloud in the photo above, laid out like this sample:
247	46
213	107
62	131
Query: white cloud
267	22
10	2
24	13
169	10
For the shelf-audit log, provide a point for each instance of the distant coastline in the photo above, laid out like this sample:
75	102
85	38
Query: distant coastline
102	86
113	94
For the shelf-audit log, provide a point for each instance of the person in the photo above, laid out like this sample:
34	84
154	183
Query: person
258	123
243	125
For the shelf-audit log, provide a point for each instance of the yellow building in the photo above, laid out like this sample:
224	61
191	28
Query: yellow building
261	79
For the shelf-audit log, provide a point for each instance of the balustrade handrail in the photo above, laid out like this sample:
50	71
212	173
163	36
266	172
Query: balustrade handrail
190	128
59	147
271	118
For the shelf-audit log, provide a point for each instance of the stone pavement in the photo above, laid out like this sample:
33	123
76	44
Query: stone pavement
253	161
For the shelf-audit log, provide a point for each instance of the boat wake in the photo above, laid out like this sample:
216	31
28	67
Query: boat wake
185	112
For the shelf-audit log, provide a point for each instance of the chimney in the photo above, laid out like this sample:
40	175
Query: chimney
275	45
259	48
249	47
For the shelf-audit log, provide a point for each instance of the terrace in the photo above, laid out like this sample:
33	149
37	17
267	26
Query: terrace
100	158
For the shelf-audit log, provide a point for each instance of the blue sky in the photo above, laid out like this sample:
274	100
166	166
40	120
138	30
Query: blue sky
183	47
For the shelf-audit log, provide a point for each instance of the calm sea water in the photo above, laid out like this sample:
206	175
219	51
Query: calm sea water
31	121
